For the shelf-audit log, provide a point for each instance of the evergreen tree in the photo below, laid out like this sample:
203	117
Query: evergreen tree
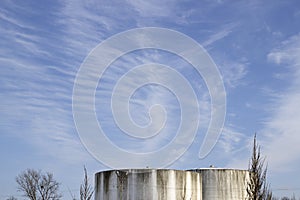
258	188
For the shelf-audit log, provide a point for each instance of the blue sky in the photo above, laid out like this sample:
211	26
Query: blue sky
255	45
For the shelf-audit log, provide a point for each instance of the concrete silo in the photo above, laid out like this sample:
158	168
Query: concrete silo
221	184
164	184
146	184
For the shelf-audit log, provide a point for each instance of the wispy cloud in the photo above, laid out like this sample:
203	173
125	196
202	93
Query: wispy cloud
282	127
233	72
218	35
153	8
36	87
147	96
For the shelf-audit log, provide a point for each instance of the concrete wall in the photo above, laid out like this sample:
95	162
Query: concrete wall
162	184
147	184
222	184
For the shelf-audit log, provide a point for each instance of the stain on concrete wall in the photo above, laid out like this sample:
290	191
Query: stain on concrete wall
164	184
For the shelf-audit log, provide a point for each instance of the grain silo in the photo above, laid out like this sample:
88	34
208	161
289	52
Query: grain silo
222	184
144	184
166	184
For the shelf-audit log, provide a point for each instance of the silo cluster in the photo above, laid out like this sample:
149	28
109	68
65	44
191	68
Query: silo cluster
167	184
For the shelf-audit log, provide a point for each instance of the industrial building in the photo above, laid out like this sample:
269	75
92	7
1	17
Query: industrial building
168	184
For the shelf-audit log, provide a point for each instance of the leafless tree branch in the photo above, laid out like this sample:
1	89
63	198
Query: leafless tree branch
86	190
38	186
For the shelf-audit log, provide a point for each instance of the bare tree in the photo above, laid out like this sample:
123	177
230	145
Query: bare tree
86	191
72	195
38	186
258	188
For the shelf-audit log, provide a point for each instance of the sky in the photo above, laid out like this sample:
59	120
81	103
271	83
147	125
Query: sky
254	44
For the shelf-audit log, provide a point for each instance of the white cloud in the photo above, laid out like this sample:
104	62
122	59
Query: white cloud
153	8
36	88
282	128
233	145
230	140
233	72
219	35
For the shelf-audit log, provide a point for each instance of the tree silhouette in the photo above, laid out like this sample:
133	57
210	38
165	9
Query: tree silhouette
258	188
38	186
86	191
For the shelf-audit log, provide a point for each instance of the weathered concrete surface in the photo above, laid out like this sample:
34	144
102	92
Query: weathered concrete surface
163	184
223	184
147	184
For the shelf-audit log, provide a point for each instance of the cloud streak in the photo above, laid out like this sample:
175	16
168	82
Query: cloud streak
282	127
